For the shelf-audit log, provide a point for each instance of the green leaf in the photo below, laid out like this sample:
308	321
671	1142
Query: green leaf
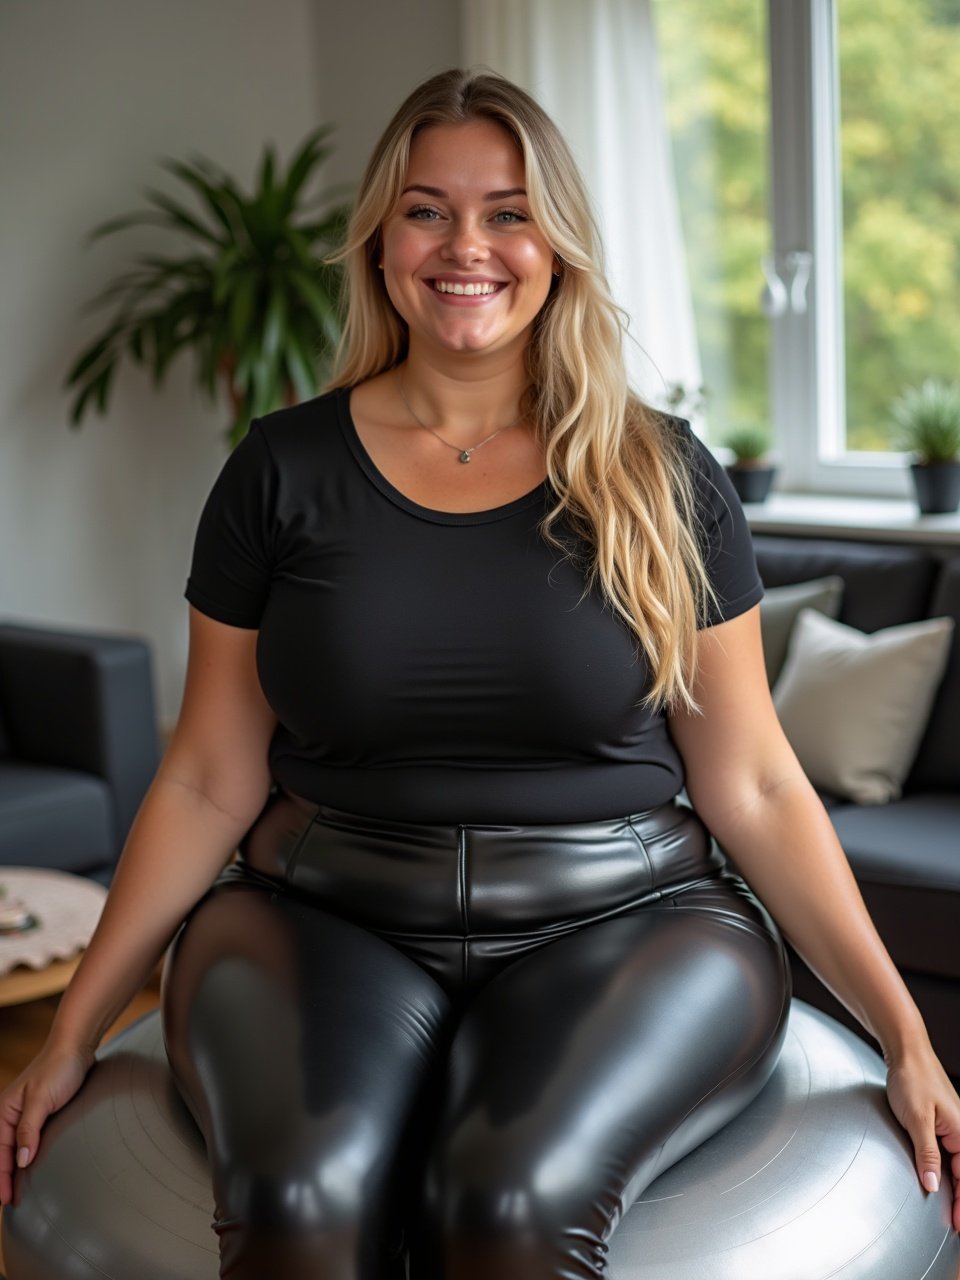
91	355
274	325
135	345
180	218
145	218
265	179
318	302
311	153
216	198
300	366
241	308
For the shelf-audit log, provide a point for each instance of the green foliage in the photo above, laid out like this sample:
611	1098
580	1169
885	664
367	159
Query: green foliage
250	298
900	164
685	401
928	421
749	443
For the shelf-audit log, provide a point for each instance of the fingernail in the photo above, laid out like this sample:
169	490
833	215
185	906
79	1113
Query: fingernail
23	1155
931	1181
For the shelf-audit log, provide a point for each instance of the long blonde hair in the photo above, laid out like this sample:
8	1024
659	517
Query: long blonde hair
620	470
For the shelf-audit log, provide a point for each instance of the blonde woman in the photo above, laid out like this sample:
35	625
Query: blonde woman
461	628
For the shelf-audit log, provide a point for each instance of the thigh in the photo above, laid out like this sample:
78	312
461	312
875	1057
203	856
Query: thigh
306	1049
584	1069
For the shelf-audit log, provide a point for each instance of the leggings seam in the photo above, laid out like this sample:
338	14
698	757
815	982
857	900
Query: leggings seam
462	894
641	845
291	864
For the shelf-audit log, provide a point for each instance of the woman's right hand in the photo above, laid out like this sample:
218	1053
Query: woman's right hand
43	1087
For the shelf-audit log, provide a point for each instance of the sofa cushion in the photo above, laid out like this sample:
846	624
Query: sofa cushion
778	613
937	766
854	706
54	818
882	585
906	857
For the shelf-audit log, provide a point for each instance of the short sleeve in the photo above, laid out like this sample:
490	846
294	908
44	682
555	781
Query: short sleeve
233	549
724	537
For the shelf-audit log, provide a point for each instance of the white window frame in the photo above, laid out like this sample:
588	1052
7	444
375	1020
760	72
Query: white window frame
807	385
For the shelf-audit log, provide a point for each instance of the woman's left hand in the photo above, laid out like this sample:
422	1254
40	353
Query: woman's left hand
926	1104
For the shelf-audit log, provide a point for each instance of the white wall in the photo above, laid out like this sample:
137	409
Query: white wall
96	524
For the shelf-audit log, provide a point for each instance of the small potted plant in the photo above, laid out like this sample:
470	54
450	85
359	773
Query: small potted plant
927	422
751	471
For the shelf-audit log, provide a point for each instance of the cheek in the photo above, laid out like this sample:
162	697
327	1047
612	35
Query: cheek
534	260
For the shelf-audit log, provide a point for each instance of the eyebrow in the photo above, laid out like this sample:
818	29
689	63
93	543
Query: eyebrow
443	195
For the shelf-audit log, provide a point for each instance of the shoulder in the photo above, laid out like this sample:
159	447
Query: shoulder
314	425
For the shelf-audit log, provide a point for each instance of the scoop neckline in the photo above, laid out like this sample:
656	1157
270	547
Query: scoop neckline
380	481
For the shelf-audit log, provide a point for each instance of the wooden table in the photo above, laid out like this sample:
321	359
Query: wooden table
41	960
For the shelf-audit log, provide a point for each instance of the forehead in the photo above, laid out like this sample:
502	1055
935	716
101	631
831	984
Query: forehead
465	154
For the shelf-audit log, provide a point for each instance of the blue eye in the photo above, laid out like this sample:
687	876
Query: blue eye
512	213
417	209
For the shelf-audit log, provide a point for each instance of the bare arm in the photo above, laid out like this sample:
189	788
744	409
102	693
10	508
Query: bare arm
210	786
746	783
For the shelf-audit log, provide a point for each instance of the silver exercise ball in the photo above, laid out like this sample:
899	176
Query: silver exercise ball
814	1179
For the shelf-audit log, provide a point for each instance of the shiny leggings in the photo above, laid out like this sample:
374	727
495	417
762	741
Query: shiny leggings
461	1052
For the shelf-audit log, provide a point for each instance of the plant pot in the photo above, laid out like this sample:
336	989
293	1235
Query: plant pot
752	483
937	486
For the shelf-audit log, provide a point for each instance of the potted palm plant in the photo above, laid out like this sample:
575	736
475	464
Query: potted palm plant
751	472
927	420
250	295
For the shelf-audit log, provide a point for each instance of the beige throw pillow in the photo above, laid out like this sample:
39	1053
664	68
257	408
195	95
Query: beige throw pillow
778	614
854	706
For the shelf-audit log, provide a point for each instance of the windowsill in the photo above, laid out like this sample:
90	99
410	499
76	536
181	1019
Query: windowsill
870	519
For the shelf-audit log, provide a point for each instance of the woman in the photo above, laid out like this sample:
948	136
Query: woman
460	629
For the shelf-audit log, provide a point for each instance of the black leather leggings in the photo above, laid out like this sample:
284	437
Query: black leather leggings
462	1049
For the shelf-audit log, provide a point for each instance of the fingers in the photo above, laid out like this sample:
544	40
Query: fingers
22	1115
921	1127
10	1110
951	1141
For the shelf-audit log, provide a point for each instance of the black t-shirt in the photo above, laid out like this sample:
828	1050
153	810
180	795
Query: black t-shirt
435	666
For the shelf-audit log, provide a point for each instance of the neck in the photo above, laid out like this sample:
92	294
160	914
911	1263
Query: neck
466	402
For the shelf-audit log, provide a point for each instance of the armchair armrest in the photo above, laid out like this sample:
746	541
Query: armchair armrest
82	701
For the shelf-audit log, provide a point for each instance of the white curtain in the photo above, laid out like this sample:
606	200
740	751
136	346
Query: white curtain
592	65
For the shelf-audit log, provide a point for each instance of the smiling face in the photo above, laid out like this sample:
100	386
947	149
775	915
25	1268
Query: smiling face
464	263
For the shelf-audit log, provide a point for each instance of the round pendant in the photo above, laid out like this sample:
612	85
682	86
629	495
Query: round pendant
465	456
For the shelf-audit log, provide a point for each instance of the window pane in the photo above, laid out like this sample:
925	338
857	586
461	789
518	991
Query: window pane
713	64
900	158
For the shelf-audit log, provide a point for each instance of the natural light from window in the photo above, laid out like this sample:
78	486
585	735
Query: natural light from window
900	166
713	64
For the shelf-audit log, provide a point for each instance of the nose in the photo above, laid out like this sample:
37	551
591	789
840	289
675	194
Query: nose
465	242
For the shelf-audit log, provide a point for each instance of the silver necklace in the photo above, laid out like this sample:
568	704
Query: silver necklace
464	453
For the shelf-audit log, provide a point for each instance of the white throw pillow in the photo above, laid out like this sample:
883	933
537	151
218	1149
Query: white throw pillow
854	706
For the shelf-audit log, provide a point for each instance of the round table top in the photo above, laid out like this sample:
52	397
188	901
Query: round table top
66	909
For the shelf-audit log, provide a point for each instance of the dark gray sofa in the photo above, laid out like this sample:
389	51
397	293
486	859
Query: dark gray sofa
78	746
905	854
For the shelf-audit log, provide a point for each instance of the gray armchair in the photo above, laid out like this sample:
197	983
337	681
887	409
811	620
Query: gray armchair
78	746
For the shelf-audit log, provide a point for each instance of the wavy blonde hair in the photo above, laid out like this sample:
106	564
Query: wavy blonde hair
620	471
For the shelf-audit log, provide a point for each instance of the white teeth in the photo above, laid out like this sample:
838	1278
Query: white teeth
469	290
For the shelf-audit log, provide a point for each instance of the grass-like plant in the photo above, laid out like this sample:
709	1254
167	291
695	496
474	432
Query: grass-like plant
927	421
250	297
749	444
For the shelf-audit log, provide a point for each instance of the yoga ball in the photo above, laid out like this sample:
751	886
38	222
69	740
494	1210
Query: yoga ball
814	1179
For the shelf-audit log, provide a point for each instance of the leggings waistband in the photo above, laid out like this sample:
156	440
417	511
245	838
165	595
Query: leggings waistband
470	878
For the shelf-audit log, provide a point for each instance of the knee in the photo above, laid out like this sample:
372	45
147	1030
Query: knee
513	1210
309	1218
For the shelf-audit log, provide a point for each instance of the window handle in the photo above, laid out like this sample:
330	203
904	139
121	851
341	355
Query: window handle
788	292
774	300
799	263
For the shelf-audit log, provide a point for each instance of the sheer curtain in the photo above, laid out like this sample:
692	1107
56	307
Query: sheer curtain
592	64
